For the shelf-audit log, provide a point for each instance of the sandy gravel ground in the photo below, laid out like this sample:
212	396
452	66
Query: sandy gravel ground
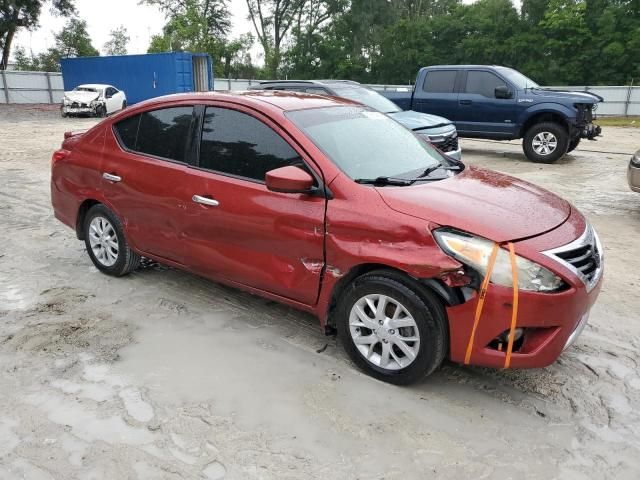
165	375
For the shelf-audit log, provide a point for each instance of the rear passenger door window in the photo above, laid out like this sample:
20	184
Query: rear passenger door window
237	144
440	81
162	133
483	83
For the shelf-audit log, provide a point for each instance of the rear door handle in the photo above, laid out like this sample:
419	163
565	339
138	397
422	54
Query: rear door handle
205	201
465	102
111	177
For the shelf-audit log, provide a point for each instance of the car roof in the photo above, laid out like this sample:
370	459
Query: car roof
462	66
304	82
279	99
94	85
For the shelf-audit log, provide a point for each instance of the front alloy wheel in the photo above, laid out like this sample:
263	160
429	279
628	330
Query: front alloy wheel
392	327
384	332
545	142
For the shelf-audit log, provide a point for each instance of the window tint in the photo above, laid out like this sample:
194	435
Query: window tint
163	133
238	144
440	81
483	83
316	90
127	131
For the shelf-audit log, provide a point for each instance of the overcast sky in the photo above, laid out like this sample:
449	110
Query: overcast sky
141	22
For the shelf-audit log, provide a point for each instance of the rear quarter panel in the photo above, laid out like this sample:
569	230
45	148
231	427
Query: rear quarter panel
77	177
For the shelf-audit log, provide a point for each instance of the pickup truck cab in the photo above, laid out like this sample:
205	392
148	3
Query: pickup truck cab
439	131
500	103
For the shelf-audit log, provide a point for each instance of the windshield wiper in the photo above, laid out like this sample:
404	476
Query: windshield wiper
384	181
433	168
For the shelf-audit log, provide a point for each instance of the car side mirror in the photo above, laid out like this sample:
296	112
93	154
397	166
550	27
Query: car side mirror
503	92
289	180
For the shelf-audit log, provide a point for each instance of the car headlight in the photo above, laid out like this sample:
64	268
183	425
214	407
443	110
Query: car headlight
475	252
66	101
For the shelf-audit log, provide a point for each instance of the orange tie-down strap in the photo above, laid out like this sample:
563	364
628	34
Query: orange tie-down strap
483	292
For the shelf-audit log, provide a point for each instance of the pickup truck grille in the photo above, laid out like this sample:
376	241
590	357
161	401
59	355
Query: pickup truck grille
582	256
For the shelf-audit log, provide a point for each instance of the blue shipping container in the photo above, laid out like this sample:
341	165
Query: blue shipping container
142	76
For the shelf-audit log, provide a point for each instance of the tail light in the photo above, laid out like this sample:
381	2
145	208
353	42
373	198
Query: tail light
58	155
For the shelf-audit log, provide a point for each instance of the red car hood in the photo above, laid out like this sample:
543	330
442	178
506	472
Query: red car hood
482	202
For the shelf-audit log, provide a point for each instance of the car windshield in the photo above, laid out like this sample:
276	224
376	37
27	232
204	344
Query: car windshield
519	80
366	96
85	89
366	144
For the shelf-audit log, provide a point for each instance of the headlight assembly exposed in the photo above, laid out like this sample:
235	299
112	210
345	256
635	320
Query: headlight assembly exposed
475	252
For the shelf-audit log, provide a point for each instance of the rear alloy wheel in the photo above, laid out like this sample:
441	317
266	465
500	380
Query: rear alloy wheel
391	329
545	142
106	244
124	104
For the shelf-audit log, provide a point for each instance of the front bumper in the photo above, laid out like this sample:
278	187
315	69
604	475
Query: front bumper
590	131
551	321
78	110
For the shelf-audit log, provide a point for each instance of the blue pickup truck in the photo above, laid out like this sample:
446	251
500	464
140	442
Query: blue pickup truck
500	103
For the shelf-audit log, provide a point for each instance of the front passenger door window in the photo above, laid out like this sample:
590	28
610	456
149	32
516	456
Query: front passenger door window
234	143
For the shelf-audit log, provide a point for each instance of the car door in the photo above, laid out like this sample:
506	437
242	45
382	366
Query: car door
114	103
144	166
437	94
480	112
237	229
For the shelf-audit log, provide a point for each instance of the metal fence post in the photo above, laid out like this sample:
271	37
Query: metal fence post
6	87
49	87
229	83
626	104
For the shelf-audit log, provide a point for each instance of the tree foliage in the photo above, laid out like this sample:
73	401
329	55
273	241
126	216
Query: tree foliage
204	26
117	44
72	41
16	14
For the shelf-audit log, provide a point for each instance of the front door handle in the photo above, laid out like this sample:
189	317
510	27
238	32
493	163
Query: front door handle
111	177
465	102
205	201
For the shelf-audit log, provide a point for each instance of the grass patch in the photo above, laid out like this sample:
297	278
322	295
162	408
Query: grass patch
633	121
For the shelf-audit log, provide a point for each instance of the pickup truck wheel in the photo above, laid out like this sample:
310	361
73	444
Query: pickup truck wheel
106	244
545	142
573	144
390	330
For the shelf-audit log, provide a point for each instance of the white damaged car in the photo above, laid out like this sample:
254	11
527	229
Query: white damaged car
93	99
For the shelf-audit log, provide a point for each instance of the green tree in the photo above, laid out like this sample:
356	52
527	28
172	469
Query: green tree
72	41
16	14
117	44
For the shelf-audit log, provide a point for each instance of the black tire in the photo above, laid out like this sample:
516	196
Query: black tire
101	111
557	131
63	114
573	144
124	104
126	260
425	308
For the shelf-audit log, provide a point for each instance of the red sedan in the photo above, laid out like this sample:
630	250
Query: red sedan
338	210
